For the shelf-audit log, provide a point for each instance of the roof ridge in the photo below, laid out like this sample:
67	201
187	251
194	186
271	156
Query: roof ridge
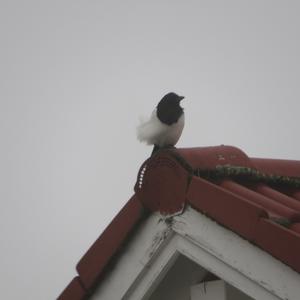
246	173
221	171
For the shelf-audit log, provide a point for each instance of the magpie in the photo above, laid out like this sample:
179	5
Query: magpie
165	125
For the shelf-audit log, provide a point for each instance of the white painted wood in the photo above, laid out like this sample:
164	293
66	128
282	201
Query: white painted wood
241	260
155	247
148	281
224	271
135	259
212	290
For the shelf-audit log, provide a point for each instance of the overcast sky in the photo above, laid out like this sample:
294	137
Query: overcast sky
74	78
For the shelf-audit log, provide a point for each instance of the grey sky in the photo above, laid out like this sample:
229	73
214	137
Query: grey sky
76	75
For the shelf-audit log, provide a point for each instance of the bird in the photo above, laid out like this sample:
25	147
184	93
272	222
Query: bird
164	127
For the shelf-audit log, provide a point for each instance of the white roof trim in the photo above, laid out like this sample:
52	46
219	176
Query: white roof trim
159	241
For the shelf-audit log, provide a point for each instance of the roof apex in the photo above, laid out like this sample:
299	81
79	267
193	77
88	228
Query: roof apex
166	183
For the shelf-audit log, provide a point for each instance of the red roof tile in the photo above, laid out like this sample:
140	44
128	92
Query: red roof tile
277	166
266	214
270	205
166	192
210	157
296	195
232	210
93	264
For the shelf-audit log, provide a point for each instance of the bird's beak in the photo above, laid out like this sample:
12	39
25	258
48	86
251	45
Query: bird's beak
181	98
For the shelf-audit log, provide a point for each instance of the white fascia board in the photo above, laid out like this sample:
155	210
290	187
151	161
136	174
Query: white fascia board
155	246
234	259
135	260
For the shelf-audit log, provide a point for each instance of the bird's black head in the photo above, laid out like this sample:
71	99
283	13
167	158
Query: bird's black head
169	109
170	99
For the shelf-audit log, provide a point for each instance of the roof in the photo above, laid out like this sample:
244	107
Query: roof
259	199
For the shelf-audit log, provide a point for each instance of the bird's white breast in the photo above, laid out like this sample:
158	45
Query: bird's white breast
155	132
